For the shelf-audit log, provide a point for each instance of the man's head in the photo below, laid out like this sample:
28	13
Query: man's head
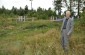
68	14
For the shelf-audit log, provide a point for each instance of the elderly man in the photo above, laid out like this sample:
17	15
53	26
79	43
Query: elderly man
66	29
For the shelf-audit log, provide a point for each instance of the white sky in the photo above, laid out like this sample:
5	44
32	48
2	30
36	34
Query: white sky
21	3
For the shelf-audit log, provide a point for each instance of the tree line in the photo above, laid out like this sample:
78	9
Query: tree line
40	13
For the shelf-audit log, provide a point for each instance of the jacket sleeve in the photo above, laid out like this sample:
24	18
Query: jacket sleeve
71	27
58	19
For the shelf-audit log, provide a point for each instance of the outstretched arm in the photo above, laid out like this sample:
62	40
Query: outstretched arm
59	20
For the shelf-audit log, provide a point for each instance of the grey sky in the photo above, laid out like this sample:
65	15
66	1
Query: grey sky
21	3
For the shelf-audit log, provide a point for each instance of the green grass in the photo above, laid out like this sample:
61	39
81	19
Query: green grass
40	37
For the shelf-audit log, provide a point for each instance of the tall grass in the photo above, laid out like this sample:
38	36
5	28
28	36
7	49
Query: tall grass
38	38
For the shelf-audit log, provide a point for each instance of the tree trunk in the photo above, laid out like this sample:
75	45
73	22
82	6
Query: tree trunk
78	8
70	4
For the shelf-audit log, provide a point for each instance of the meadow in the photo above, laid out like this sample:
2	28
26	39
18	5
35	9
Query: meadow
41	37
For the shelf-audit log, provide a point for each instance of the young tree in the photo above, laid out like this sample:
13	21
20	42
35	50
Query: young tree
14	10
26	9
3	9
21	12
50	12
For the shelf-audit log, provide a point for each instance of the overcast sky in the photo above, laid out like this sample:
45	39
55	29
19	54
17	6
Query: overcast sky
21	3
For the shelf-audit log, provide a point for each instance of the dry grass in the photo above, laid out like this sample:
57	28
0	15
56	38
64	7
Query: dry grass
41	44
38	38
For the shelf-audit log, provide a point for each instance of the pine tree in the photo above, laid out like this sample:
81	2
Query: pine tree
26	9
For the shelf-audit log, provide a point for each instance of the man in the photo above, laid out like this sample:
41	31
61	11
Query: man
66	30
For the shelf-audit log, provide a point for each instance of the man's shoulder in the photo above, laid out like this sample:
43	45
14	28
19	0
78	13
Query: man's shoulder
71	18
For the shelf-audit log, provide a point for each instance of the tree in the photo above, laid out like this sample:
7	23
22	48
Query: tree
26	9
21	12
50	12
3	9
0	11
39	9
14	10
70	4
57	4
84	6
66	2
78	7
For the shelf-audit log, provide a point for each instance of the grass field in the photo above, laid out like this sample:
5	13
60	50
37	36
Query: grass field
38	38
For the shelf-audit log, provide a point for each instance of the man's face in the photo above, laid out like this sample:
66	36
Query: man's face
68	14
